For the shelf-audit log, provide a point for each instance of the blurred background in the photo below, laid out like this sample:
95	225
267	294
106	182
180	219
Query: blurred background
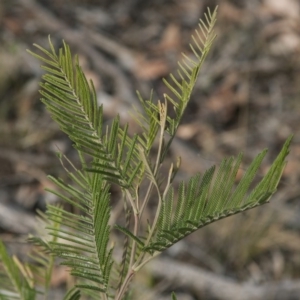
246	99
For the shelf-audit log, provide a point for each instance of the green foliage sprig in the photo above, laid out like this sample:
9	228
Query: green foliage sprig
83	241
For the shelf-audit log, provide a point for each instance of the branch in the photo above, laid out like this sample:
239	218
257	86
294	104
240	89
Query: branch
207	285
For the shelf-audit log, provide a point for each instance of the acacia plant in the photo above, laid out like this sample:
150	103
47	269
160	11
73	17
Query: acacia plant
83	240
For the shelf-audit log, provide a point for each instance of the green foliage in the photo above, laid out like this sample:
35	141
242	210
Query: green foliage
83	239
16	280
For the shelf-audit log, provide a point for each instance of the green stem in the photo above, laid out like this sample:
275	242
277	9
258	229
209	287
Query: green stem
125	284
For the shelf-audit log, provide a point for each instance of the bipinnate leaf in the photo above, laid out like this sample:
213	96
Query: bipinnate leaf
182	84
180	87
82	238
206	199
72	102
16	281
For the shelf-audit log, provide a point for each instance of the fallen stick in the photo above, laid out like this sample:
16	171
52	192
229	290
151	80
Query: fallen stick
207	285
